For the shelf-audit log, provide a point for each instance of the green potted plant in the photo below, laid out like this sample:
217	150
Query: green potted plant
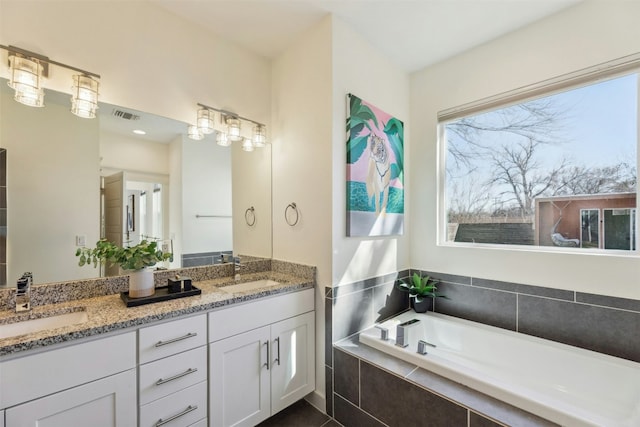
132	259
421	292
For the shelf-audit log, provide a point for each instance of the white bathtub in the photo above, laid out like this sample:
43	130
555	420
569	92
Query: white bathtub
564	384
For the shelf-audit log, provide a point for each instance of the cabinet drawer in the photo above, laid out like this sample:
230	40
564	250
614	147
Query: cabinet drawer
166	339
37	375
201	423
244	317
179	409
171	374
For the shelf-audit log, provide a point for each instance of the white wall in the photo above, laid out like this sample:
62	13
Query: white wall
250	171
358	68
206	190
590	33
47	204
302	163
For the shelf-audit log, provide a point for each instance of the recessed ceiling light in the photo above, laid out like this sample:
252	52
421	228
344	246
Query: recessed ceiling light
139	132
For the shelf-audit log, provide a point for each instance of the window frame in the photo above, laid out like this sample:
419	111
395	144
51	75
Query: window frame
585	77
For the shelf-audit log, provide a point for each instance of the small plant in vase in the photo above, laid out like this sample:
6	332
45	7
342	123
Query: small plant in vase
132	259
421	292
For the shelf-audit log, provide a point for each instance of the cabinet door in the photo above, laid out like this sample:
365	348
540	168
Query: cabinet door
239	379
109	402
292	360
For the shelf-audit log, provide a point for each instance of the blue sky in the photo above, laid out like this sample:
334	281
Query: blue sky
602	128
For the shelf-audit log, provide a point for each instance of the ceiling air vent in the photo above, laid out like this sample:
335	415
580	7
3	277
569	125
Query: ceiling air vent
125	115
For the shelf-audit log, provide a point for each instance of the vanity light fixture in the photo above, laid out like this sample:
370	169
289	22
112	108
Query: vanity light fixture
233	129
27	70
259	136
247	145
84	99
26	80
194	133
205	120
228	128
222	140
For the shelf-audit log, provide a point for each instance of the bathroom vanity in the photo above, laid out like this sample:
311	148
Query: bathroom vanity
226	357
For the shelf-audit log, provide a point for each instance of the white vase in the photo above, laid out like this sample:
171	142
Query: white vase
141	283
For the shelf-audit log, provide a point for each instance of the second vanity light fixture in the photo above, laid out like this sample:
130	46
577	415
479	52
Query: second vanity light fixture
27	70
229	129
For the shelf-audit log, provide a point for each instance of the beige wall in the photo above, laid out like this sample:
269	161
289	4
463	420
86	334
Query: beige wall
590	33
360	69
149	60
302	163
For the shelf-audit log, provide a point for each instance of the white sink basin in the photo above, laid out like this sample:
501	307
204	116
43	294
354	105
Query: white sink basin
49	322
249	286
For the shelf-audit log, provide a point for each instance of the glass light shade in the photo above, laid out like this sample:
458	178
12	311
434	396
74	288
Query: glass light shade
194	133
259	136
233	130
222	140
205	120
247	145
84	98
30	97
25	78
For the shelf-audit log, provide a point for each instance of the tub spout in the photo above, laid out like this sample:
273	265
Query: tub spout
402	332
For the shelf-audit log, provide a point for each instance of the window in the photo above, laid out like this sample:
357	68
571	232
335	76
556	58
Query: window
558	170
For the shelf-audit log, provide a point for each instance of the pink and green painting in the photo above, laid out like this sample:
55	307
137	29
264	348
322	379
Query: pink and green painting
375	181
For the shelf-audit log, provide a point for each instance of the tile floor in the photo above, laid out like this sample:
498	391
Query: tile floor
300	414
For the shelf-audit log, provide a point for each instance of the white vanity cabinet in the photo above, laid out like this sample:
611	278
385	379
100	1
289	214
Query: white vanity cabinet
173	373
261	358
91	383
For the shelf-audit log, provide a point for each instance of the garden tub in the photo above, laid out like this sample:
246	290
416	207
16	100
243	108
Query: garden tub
564	384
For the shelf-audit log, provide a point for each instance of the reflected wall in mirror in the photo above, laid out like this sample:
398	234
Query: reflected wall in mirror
180	190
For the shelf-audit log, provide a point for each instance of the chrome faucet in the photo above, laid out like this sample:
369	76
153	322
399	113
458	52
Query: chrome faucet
236	267
403	337
23	292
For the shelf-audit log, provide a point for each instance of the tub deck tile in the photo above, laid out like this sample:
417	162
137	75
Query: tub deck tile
405	404
476	401
394	365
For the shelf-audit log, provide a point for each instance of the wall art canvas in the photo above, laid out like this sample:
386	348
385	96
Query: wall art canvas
375	181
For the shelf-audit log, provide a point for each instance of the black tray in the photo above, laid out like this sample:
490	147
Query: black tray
161	294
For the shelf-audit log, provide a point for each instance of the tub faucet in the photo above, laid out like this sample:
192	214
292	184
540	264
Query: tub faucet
403	337
236	267
23	292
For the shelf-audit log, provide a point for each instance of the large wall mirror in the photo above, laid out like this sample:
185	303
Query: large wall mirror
192	195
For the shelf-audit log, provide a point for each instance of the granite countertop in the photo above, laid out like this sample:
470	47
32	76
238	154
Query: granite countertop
109	313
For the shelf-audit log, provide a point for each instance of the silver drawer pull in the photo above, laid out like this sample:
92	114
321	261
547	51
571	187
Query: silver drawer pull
175	377
162	422
171	341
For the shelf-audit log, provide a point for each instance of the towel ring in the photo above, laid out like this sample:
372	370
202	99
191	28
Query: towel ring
250	216
295	209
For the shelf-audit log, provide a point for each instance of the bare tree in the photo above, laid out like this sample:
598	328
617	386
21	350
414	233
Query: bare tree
517	167
469	199
537	121
619	178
